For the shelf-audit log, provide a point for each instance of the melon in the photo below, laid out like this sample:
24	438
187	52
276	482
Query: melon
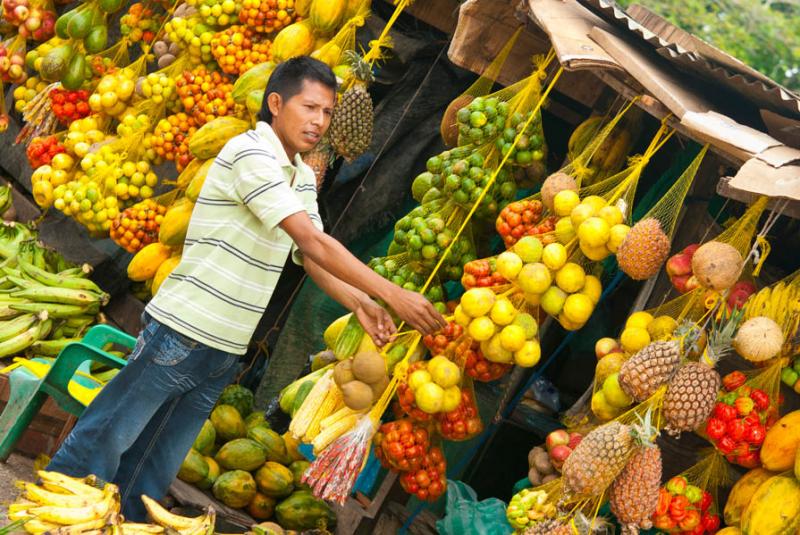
717	265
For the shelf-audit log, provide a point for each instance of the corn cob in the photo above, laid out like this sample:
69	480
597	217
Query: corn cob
336	416
332	432
332	398
302	419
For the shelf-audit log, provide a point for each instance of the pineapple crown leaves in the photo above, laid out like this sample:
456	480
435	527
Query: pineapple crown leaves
689	334
643	431
362	70
723	329
583	525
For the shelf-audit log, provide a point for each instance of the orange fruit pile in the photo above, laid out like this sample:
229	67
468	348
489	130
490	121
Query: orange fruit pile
138	225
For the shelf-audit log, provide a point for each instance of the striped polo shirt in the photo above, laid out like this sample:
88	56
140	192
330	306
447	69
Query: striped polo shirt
234	250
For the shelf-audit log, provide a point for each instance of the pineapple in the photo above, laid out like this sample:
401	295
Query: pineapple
692	392
641	375
318	159
634	494
549	527
351	127
601	456
644	250
579	525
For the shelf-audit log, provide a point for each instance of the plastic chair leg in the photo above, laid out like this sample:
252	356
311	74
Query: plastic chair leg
16	417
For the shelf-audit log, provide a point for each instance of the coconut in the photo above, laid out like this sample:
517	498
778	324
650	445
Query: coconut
555	183
449	126
759	339
717	265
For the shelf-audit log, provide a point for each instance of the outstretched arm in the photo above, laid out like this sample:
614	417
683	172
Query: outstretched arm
376	321
334	258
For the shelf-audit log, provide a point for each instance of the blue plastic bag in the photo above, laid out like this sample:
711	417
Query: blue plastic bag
466	515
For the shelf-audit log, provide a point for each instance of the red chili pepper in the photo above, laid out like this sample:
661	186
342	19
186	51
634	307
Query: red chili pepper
760	398
733	380
724	412
715	428
735	429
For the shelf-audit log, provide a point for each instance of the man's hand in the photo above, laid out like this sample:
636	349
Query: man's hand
415	310
376	321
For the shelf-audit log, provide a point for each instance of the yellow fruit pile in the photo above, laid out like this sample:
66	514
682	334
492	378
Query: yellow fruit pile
194	36
506	335
46	178
436	386
82	134
113	93
157	87
26	92
599	227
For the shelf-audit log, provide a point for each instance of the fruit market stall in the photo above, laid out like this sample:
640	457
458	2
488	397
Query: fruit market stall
602	217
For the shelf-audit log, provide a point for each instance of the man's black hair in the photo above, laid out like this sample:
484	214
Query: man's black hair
287	80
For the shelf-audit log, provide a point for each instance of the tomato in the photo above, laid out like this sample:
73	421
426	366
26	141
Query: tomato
678	508
710	523
715	428
735	429
760	398
690	520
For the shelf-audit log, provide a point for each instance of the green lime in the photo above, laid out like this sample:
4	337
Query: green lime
434	164
429	252
460	196
415	242
427	236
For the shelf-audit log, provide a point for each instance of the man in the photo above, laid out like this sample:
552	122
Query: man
258	205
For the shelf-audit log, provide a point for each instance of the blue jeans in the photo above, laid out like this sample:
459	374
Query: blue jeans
138	430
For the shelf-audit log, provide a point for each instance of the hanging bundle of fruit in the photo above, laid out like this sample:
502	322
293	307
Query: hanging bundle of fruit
12	60
683	507
25	93
267	16
34	19
141	22
237	49
406	276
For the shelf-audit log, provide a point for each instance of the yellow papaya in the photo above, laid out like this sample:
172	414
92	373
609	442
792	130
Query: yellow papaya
188	173
332	332
357	7
781	443
255	78
301	7
196	185
212	136
730	531
295	40
176	223
742	492
163	272
774	508
146	262
327	15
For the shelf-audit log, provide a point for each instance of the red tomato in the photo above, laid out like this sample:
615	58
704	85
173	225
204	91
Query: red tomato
755	434
715	428
710	523
735	429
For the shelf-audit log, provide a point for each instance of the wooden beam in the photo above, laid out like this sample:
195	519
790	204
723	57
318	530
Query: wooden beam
724	189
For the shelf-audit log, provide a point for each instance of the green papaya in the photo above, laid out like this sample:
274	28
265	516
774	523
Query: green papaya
204	442
97	39
228	423
74	77
235	488
302	511
98	17
274	480
214	471
61	24
54	64
272	443
255	419
254	79
80	24
239	397
241	454
194	467
299	468
110	6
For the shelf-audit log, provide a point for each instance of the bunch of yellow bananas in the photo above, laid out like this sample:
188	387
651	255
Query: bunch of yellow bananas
64	505
609	157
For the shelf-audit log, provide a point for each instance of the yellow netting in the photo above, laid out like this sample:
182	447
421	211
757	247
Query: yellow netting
333	52
781	303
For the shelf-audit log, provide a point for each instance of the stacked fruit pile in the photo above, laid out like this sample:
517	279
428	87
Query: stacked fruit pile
249	466
524	218
685	508
609	157
406	277
545	463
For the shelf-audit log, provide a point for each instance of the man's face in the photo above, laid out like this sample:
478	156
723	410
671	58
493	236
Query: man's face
304	118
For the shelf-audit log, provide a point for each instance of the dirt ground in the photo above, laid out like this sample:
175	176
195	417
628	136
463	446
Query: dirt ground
17	467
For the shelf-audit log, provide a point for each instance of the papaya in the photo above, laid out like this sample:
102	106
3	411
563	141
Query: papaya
145	263
228	423
239	397
186	176
742	492
214	471
163	271
730	531
204	441
302	7
253	101
235	488
774	508
61	24
110	6
334	329
80	24
176	223
292	447
275	480
326	15
256	419
302	511
271	442
254	79
97	39
261	507
241	454
212	136
294	40
194	467
76	70
267	528
55	62
299	468
196	184
781	443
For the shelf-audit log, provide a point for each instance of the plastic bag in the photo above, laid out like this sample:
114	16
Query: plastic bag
465	514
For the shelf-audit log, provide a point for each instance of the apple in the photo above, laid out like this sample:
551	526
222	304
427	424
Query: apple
559	437
559	454
604	346
679	282
574	440
679	264
690	249
692	283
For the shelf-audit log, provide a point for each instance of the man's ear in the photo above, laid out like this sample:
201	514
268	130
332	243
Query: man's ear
274	101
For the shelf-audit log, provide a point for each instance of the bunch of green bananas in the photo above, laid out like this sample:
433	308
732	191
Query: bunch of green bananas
5	199
64	505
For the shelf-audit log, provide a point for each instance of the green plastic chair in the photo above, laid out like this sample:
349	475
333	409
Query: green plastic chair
28	392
